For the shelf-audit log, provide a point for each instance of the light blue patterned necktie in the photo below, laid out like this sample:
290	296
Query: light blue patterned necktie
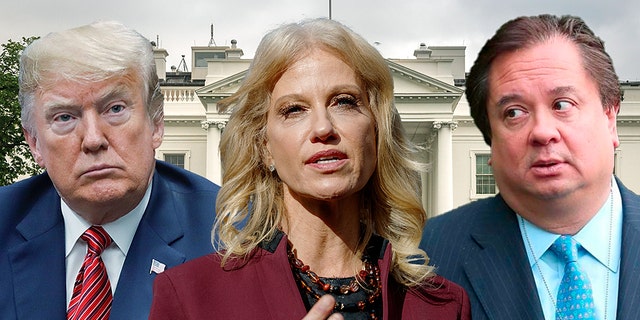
575	296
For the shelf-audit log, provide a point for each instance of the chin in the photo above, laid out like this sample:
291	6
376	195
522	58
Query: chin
108	191
552	192
337	194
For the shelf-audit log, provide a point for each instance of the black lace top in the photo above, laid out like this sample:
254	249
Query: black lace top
350	301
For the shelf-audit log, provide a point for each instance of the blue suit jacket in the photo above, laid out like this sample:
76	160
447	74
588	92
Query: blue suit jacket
479	246
175	227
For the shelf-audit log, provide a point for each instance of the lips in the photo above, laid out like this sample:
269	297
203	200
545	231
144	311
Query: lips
546	163
547	168
326	157
97	169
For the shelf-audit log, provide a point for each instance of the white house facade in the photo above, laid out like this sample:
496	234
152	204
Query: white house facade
429	95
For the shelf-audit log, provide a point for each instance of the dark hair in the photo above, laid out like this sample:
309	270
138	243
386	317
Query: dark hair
524	32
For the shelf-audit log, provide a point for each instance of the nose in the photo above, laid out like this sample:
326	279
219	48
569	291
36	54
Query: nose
322	126
93	135
545	129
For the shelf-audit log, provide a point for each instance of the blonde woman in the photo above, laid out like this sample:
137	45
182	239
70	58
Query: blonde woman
319	173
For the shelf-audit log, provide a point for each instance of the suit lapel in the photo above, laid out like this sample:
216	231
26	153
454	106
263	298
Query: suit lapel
501	268
629	290
158	229
277	282
38	264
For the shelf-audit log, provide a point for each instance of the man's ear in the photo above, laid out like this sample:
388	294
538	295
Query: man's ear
158	133
612	115
32	141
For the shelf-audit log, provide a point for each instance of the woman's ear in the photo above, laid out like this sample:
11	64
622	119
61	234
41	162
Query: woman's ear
267	159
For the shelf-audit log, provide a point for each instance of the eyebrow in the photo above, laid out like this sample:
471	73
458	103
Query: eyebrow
508	99
516	96
58	102
287	97
119	90
562	90
346	88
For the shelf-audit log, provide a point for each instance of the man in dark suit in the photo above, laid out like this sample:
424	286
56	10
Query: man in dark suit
92	114
545	96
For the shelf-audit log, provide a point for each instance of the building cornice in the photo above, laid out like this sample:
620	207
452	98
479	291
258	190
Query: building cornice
418	77
426	97
211	89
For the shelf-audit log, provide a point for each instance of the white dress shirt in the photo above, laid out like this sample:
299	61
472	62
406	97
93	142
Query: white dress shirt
121	231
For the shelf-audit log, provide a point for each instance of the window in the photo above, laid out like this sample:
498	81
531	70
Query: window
176	159
201	58
483	183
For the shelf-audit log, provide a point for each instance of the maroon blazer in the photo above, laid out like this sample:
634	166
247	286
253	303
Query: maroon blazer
263	287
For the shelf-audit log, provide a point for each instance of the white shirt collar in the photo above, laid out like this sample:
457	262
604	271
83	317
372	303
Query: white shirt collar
121	231
601	235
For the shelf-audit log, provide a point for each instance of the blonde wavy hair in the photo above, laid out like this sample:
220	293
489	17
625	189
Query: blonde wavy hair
252	196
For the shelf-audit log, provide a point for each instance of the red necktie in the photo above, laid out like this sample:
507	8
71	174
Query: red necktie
92	297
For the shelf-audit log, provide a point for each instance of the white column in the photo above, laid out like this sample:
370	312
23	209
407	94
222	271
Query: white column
214	166
425	192
444	169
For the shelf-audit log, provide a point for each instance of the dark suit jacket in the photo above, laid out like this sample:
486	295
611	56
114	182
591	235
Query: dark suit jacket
175	227
479	246
264	288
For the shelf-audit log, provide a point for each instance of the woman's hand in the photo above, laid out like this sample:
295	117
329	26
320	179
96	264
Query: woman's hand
322	309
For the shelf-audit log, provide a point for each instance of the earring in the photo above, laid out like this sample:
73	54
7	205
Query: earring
272	168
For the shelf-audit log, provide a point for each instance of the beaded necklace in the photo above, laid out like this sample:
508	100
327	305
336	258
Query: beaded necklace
367	279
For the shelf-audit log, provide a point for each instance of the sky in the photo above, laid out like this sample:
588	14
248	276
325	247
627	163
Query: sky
396	27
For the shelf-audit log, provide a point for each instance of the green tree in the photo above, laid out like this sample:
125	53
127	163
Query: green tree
13	149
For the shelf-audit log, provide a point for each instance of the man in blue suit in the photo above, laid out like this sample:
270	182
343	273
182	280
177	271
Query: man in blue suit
545	96
92	114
